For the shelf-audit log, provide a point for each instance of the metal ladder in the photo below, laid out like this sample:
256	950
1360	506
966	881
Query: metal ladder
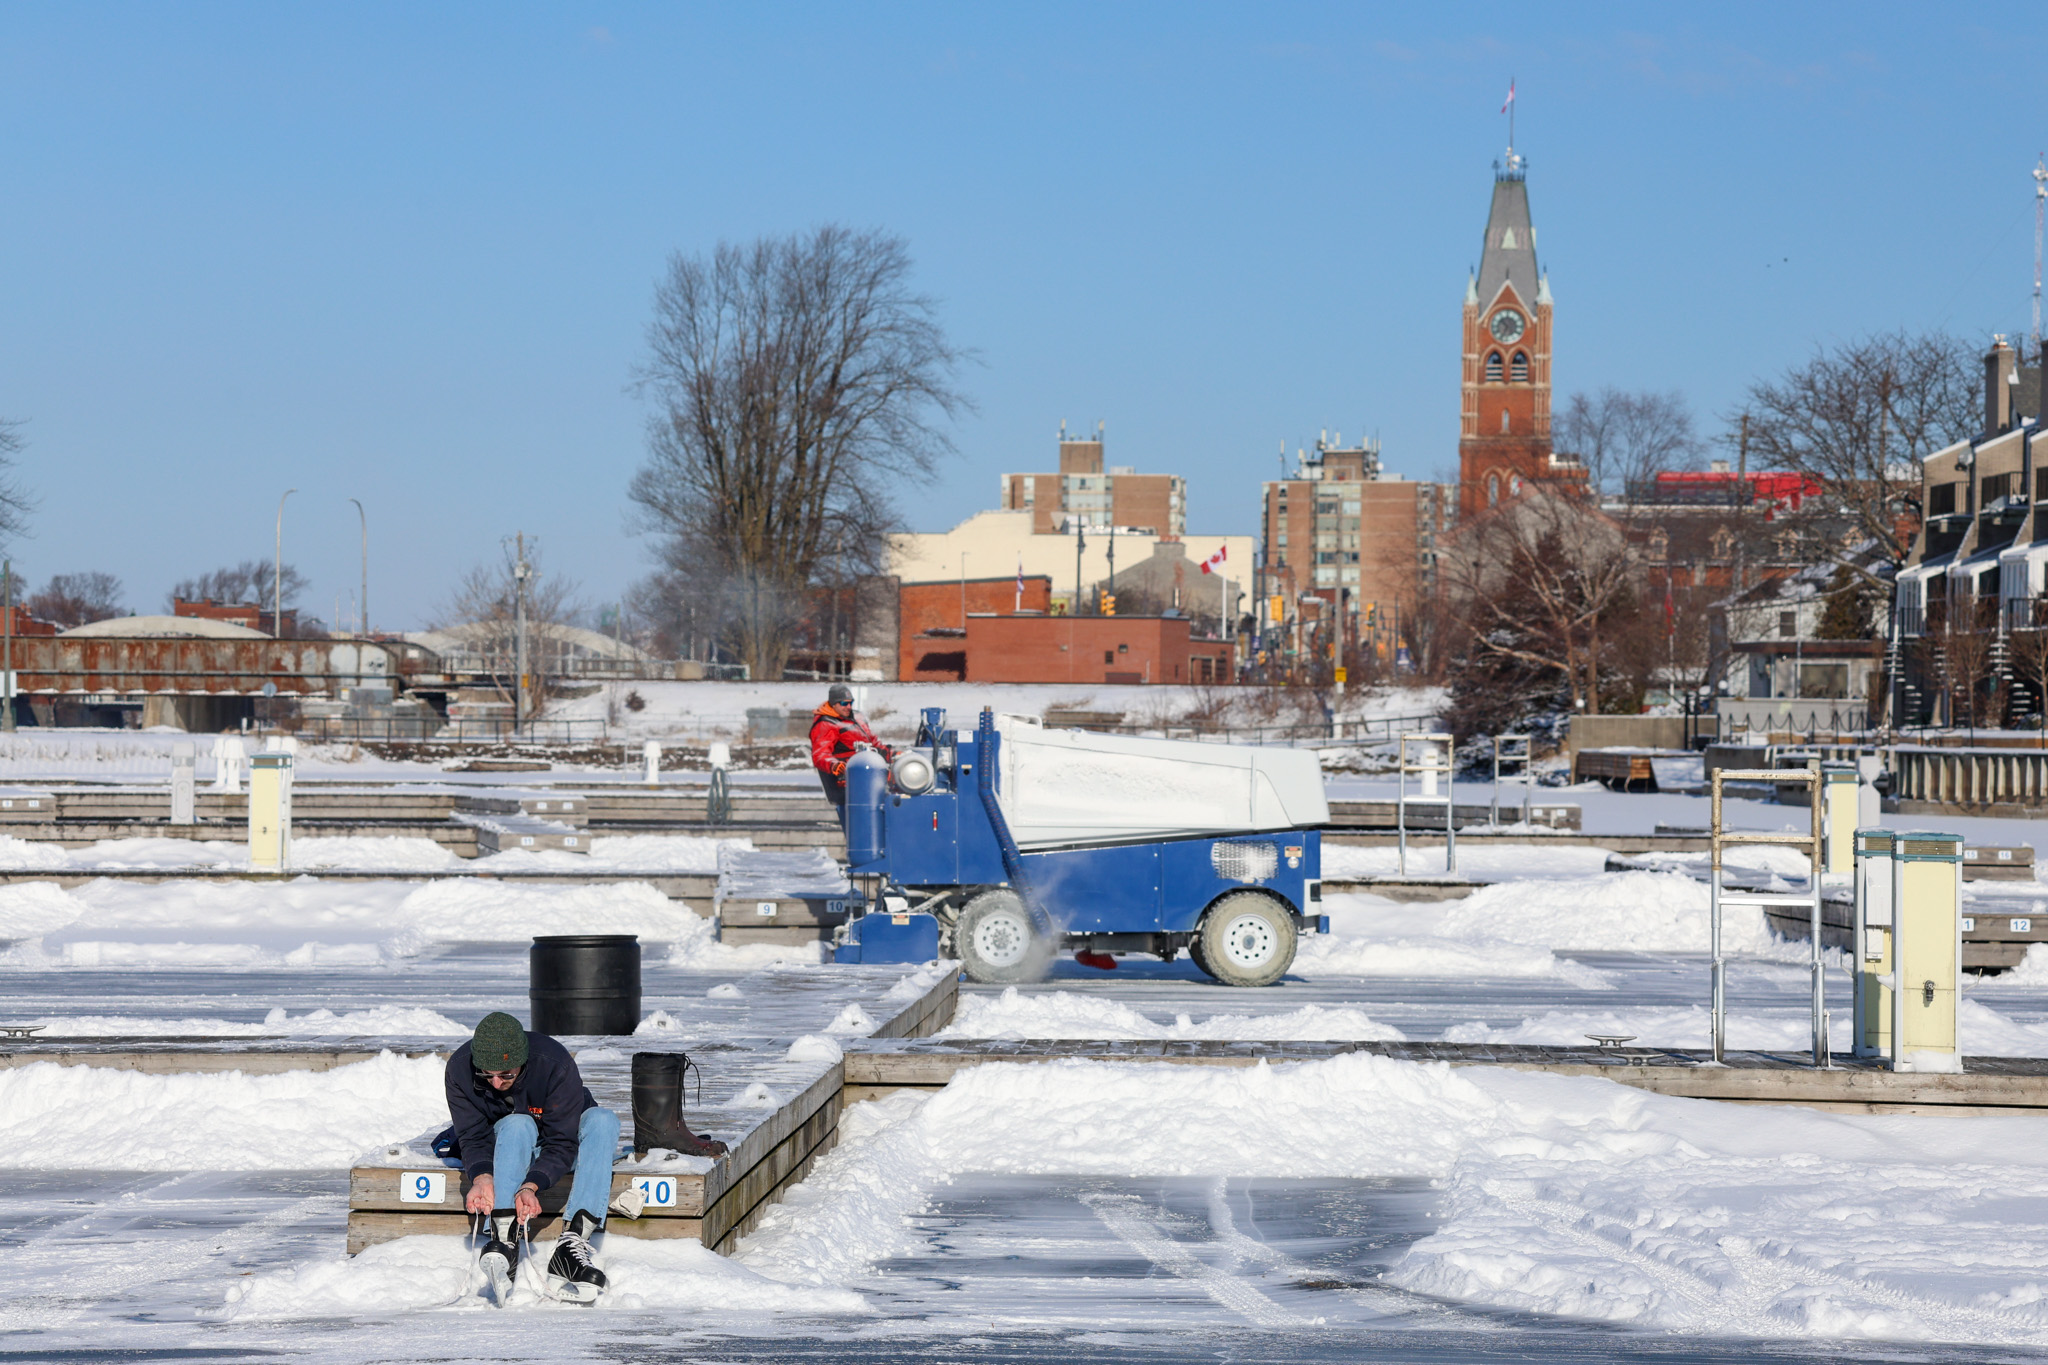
1513	749
1424	768
1810	900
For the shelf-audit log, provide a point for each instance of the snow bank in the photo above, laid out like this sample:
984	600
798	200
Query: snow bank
1616	912
1062	1014
1492	862
65	1117
1372	936
416	1273
1561	1195
385	1021
1985	1031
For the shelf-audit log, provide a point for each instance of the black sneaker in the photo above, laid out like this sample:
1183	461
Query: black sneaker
573	1276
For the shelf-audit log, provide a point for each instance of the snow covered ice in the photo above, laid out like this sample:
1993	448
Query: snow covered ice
1352	1208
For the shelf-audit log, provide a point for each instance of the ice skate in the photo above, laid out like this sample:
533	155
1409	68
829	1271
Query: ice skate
573	1276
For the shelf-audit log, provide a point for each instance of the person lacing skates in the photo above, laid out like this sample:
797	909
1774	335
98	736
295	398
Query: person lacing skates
510	1092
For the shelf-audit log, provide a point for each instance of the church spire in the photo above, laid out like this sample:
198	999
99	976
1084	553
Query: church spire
1509	254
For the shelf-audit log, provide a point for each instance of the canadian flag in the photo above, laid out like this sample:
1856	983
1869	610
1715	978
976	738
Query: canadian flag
1215	562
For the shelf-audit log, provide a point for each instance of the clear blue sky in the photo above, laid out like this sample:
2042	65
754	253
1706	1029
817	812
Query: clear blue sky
405	253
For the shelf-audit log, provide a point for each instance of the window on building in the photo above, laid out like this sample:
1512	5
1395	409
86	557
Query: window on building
1941	500
1492	489
1518	369
1493	370
1788	624
1997	486
1503	421
1824	680
2041	485
1109	656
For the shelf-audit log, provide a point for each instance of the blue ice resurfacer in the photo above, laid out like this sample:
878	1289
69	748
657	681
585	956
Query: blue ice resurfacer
1023	841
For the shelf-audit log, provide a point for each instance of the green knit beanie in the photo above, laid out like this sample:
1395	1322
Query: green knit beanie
499	1045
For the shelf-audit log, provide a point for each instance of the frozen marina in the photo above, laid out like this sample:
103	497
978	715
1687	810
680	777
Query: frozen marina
1344	1208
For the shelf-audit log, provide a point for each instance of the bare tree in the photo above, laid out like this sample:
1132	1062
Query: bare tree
481	611
249	582
1858	418
1627	439
2029	655
799	378
76	599
17	504
1540	580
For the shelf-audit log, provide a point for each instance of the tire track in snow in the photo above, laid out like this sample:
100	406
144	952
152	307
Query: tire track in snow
1388	1302
1770	1279
1120	1214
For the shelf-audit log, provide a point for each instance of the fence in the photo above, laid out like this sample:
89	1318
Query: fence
1790	716
1304	733
1970	778
362	729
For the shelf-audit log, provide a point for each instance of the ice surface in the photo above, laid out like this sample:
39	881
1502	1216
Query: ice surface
380	1021
1562	1195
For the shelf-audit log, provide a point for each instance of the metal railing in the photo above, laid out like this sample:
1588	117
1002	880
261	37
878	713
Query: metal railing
1436	759
1719	838
1303	733
366	729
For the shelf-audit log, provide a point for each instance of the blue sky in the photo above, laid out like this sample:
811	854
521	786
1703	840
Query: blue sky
405	253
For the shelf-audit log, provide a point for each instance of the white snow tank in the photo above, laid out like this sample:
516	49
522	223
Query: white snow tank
1070	786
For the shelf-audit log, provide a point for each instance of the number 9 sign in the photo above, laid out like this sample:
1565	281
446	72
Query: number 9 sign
659	1191
422	1187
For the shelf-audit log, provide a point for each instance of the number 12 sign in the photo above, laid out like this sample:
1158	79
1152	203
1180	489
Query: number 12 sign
422	1187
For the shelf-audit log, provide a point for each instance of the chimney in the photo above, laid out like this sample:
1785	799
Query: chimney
2000	371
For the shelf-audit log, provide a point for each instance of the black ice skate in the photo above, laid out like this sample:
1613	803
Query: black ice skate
573	1276
499	1259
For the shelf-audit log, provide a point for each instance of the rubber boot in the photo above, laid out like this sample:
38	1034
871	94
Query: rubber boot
658	1108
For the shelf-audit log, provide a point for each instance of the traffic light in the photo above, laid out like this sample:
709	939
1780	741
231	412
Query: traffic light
1109	604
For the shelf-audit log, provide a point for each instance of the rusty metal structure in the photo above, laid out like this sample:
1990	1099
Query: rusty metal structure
197	682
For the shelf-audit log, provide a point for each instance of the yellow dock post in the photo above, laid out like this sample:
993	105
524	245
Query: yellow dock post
1927	906
270	811
1871	949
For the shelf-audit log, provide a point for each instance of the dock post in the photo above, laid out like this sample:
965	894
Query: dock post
183	773
1927	911
270	811
1871	948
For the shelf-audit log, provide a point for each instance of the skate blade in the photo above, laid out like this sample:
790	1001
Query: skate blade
498	1283
573	1291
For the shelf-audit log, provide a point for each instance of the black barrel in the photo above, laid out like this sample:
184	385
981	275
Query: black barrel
585	983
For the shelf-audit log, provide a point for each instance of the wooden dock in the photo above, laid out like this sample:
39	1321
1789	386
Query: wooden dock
2005	1086
717	1206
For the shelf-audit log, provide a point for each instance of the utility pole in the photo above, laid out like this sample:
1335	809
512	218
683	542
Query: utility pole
1080	544
7	663
2040	200
363	603
520	572
277	573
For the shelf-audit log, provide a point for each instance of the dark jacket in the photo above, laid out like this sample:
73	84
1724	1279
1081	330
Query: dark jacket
550	1088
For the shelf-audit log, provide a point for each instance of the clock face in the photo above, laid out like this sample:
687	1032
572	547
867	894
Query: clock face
1507	326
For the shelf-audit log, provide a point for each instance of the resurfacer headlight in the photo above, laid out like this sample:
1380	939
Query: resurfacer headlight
913	772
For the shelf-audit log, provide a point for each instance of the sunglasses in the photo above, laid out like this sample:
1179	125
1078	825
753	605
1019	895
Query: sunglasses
499	1075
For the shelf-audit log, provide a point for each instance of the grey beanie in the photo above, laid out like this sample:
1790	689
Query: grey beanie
499	1044
839	694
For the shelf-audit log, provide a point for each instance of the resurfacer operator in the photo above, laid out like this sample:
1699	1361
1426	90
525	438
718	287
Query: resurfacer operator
837	734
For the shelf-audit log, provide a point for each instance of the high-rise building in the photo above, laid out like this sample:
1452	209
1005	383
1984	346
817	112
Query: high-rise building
1085	491
1348	547
1504	434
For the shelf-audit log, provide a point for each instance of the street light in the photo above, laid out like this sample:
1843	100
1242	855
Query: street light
277	573
363	602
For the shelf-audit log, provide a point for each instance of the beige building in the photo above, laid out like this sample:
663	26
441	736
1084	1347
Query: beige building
994	544
1096	496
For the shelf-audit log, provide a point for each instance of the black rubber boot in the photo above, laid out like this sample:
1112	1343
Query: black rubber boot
658	1107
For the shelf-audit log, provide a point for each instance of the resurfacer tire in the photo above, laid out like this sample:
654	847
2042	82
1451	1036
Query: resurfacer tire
1196	956
996	942
1247	940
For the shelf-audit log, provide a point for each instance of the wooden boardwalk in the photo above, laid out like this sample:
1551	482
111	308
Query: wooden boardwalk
1988	1085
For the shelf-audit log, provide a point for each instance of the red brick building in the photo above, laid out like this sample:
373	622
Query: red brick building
253	615
932	620
1074	649
1504	433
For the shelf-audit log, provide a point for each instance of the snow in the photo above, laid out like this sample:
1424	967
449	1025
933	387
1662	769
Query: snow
67	1117
1487	862
667	853
1560	1195
379	1021
1066	1015
416	1273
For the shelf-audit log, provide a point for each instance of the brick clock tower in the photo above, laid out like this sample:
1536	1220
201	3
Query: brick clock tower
1504	434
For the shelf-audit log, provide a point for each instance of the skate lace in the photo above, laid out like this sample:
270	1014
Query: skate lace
578	1249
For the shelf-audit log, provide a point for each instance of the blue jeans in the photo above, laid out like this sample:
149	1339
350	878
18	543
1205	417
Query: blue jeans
597	1142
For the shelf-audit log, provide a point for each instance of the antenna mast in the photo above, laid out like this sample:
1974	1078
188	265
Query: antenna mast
2040	200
